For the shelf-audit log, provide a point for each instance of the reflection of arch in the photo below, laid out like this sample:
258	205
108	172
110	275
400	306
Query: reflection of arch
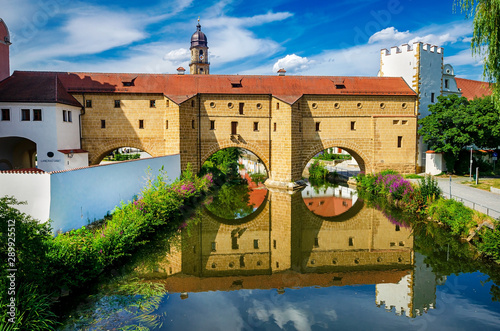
254	148
345	216
239	221
353	149
98	155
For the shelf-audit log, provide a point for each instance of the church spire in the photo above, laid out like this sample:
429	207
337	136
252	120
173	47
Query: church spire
199	52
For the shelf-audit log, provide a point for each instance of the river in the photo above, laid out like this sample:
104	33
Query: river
318	259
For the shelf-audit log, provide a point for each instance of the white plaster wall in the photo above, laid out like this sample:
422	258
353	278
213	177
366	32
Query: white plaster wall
84	195
68	133
434	164
32	188
79	160
397	296
399	62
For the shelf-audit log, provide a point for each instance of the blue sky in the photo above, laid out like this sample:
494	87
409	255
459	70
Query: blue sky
336	37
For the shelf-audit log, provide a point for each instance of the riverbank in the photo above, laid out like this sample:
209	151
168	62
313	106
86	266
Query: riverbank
422	202
48	267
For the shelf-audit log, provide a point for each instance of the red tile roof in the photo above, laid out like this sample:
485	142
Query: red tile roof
180	88
473	88
32	87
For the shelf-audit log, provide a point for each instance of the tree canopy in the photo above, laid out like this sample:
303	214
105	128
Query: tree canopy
455	123
486	37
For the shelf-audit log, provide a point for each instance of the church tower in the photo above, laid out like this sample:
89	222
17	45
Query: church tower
4	51
199	53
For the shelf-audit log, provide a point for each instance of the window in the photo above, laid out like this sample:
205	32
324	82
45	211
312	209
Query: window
234	243
398	228
316	242
242	261
256	243
192	103
400	141
212	125
25	114
256	126
432	97
274	126
168	103
353	125
241	107
300	126
152	103
404	122
5	114
274	244
277	105
445	83
192	124
214	246
70	116
37	114
88	103
141	124
65	115
395	122
351	241
103	124
166	124
117	103
317	126
234	127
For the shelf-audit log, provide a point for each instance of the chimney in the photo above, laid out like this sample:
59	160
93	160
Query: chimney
181	71
4	51
281	72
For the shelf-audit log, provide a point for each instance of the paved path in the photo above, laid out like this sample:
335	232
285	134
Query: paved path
480	200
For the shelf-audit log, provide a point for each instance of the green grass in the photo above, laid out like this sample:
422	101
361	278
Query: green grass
413	176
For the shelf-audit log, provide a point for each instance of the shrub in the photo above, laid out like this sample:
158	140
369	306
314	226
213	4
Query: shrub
317	170
490	242
453	214
429	187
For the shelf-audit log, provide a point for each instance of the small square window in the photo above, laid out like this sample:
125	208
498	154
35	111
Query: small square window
256	243
152	103
117	103
103	124
353	126
25	114
37	114
70	116
395	122
214	246
212	125
242	105
277	105
317	126
351	241
5	114
192	124
168	103
404	122
234	127
141	124
192	103
274	244
65	115
400	141
256	126
446	83
88	103
432	97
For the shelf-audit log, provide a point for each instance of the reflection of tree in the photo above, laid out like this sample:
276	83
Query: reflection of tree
321	184
223	164
232	201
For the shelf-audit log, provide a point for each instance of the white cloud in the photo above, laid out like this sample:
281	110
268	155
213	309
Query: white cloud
464	57
257	20
292	63
281	315
178	55
388	34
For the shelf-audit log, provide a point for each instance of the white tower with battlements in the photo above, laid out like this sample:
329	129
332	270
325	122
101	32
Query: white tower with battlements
421	66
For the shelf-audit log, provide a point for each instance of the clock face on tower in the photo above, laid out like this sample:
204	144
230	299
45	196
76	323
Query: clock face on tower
201	56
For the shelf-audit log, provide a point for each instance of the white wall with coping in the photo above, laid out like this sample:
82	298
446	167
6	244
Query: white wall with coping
33	188
74	198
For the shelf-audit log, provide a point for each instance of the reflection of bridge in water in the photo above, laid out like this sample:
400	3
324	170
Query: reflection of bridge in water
284	245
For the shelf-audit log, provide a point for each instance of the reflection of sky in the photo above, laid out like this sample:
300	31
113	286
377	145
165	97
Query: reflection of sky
462	304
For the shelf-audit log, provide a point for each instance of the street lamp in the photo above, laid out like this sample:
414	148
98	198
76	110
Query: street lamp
470	170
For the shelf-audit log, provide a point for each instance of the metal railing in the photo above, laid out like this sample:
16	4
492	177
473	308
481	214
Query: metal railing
474	205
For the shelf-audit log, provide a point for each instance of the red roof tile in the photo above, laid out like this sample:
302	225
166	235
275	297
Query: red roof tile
180	88
32	87
473	88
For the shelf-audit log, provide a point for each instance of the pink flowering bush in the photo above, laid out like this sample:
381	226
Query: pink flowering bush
394	185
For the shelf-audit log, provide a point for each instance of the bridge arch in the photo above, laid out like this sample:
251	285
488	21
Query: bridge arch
98	154
352	148
254	148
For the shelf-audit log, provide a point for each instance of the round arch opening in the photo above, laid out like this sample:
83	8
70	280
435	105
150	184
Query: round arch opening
17	153
124	153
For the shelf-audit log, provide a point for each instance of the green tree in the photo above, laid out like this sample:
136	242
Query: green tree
232	202
444	129
222	164
486	37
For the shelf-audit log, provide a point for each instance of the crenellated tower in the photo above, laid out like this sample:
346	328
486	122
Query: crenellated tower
199	53
4	51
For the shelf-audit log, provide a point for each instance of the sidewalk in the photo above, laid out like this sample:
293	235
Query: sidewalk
480	200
